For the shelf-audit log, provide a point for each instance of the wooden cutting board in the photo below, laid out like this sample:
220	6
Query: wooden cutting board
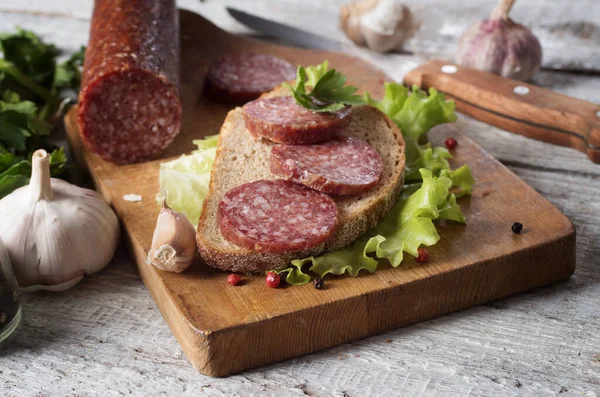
225	329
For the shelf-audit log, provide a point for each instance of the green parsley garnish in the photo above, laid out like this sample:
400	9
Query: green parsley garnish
31	83
328	92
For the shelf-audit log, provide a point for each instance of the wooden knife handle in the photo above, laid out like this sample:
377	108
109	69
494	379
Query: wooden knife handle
515	106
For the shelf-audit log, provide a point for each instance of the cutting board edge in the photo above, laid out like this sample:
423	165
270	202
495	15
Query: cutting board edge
223	343
233	349
202	345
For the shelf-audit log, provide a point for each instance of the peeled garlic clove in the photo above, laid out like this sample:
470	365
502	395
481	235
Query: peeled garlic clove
56	232
173	243
500	45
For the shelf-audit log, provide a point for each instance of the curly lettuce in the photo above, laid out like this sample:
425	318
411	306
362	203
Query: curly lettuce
407	226
184	181
430	194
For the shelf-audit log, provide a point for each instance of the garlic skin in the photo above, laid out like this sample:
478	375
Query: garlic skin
381	25
501	46
56	232
173	243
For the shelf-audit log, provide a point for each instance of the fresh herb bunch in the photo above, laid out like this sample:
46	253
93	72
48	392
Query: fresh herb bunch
328	90
31	83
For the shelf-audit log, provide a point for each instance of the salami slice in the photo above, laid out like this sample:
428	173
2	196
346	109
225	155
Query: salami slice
281	120
341	166
240	78
129	107
276	216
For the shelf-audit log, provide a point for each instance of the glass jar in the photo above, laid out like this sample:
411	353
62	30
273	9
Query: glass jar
10	306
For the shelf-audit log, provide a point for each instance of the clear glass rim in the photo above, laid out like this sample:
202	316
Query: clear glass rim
11	327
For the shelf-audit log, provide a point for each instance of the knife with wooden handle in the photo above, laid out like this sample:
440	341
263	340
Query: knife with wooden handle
515	106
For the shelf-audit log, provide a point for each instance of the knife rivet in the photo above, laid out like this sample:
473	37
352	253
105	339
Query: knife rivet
449	69
598	113
521	90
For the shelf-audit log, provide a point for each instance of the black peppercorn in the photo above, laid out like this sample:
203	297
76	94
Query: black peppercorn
517	227
318	283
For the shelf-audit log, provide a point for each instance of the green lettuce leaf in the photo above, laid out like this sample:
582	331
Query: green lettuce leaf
462	179
414	112
429	195
426	197
407	226
434	159
184	182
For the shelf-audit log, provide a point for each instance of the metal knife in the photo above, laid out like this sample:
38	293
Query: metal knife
294	35
512	105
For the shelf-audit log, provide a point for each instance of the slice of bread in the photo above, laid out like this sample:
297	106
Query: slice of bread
241	159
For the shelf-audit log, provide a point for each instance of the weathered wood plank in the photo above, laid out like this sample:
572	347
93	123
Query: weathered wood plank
106	337
568	30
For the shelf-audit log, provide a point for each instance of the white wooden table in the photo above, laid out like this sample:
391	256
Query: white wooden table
107	338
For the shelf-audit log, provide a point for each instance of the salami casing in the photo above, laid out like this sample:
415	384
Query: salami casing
276	216
281	120
341	166
129	107
239	78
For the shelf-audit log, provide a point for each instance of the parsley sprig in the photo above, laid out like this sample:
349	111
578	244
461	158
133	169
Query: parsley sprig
32	84
327	92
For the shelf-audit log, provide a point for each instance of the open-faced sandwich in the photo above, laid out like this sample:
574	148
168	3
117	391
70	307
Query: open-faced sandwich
288	182
312	172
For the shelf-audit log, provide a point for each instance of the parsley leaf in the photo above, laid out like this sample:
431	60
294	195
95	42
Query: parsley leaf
11	101
68	73
13	129
27	52
58	161
329	91
30	86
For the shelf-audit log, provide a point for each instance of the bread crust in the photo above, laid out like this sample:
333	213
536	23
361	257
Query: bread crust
241	159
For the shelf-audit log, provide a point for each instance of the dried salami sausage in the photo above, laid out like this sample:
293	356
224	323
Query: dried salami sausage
341	166
281	120
239	78
129	107
276	216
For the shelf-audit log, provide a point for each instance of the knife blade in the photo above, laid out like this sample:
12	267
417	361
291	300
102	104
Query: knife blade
515	106
294	35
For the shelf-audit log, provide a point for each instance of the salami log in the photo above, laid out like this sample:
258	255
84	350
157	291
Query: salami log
239	78
341	166
129	107
276	216
281	120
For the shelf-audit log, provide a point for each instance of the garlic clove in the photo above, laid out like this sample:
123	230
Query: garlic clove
174	241
500	45
387	26
350	15
381	25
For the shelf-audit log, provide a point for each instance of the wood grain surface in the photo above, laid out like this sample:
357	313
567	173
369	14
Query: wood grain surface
106	337
225	330
537	113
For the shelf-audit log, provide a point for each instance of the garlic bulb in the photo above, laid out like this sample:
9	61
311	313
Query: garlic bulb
174	241
381	25
56	232
500	45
